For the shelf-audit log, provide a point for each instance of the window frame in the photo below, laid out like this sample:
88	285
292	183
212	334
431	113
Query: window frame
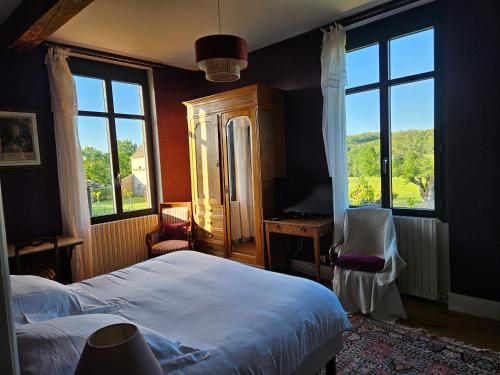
108	73
381	33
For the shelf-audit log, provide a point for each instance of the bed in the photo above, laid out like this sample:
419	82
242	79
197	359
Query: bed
250	321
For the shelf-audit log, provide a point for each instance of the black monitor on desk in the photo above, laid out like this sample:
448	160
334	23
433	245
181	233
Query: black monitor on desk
303	196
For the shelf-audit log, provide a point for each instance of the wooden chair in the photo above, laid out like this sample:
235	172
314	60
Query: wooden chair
159	241
52	272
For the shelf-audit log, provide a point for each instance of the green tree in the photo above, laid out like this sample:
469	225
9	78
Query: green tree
412	158
97	195
419	170
128	194
126	148
363	193
96	165
369	160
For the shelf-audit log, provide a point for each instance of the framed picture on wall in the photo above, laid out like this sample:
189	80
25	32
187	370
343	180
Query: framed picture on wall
19	144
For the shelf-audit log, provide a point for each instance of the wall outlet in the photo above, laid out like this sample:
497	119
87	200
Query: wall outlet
322	258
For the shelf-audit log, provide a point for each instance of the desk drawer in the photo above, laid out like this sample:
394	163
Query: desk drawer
298	230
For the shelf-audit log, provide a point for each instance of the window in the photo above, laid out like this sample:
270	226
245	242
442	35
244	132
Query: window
115	139
391	119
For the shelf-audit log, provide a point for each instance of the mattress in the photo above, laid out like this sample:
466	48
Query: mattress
251	321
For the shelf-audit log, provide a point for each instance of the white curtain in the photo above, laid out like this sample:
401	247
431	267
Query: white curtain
333	81
72	183
243	171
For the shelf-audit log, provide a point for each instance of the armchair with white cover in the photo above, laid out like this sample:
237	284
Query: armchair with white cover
367	264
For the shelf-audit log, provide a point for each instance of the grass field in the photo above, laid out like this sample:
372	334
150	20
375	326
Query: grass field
106	207
407	192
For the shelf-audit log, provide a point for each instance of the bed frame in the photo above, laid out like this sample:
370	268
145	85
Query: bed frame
330	367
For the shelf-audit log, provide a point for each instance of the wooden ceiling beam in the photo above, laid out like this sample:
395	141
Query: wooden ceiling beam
33	21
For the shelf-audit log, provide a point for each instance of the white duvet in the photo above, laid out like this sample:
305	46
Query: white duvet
250	321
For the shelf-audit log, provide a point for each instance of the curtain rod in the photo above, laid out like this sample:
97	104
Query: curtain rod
106	55
376	13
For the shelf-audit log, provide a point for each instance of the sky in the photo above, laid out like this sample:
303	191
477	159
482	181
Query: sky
93	131
412	104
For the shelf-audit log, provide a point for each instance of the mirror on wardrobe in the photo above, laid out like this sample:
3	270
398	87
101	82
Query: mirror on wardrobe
240	190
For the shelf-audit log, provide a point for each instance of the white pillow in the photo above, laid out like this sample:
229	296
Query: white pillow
54	346
35	298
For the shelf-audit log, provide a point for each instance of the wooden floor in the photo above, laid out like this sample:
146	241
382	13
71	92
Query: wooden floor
435	318
439	321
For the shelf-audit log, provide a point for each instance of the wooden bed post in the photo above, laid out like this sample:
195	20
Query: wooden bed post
330	367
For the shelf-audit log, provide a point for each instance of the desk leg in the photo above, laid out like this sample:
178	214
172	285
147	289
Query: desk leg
268	247
317	247
58	264
69	255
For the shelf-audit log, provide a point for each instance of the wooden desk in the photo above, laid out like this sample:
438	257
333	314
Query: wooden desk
67	243
313	226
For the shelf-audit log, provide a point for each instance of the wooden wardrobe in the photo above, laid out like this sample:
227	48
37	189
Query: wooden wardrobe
236	147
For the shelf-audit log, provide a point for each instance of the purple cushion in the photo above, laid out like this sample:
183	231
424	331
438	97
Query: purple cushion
174	231
358	262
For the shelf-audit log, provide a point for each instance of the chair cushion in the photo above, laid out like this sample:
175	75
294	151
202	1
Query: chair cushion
169	246
358	262
174	231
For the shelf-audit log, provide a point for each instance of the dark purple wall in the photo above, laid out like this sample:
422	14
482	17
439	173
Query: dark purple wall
30	195
292	65
472	107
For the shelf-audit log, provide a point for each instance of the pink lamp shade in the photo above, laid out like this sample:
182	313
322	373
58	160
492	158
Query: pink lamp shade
221	57
117	349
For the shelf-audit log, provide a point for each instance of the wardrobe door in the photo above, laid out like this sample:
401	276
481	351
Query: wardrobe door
240	187
205	136
206	185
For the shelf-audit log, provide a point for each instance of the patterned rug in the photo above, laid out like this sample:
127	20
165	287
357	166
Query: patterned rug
378	348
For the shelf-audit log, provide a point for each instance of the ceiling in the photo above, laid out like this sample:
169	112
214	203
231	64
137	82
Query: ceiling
165	30
6	8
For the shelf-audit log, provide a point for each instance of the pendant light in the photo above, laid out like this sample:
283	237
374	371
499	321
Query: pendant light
220	56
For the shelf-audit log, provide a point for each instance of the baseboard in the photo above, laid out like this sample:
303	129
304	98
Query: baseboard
310	269
474	306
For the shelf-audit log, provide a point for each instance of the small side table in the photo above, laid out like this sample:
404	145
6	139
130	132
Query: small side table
311	226
64	242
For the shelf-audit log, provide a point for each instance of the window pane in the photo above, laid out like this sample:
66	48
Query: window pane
412	54
412	142
90	94
94	142
133	162
363	148
362	66
127	98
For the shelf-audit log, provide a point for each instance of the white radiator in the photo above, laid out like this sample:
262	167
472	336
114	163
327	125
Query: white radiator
418	246
120	244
